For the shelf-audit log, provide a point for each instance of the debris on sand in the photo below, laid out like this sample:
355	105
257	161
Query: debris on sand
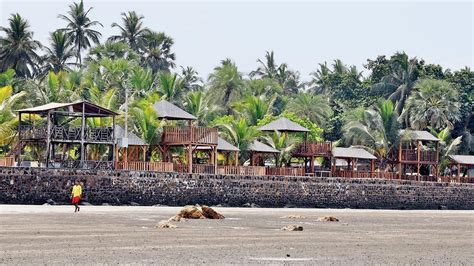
293	216
292	227
328	219
210	213
193	212
250	205
165	224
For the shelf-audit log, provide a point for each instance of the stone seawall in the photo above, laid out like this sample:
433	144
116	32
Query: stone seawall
36	186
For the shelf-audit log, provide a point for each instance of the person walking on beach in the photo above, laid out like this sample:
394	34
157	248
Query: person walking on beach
76	195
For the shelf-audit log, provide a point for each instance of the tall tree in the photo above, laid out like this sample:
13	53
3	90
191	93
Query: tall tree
18	48
157	53
198	104
225	83
313	106
79	28
58	54
433	103
8	119
131	31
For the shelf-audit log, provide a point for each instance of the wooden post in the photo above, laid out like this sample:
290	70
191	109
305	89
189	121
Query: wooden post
48	138
459	172
83	125
400	160
215	160
236	158
418	159
114	143
372	169
437	159
311	165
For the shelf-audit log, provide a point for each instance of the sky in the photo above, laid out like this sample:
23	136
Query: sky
301	33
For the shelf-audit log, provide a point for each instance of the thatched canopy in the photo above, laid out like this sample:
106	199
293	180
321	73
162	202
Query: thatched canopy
133	140
352	153
283	124
170	111
418	135
88	108
257	146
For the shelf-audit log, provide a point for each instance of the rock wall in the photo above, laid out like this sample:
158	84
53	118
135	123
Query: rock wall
36	186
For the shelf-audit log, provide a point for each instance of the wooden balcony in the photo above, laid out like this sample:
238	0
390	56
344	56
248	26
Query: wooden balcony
323	148
145	166
76	164
411	155
189	135
67	134
241	170
28	132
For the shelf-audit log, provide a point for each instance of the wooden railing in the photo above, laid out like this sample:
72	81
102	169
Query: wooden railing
412	155
204	169
28	132
315	148
145	166
284	171
75	164
7	161
365	174
241	170
199	135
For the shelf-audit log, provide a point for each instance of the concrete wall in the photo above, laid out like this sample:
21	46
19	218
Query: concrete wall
36	185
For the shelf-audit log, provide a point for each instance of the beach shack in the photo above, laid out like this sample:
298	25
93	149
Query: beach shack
359	163
461	168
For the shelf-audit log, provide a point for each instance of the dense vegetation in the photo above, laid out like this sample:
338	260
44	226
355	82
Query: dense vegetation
339	103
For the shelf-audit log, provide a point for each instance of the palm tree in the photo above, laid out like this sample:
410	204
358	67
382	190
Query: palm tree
267	69
225	83
111	50
433	103
374	128
54	88
283	143
448	145
401	81
170	87
8	120
57	57
241	134
157	53
254	108
18	49
263	87
79	28
191	80
198	104
132	30
312	106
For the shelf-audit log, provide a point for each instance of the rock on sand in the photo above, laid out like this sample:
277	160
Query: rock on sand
328	219
292	227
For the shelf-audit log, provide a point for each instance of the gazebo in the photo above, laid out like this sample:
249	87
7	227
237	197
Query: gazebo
306	150
259	151
224	148
417	149
58	134
464	167
352	156
189	137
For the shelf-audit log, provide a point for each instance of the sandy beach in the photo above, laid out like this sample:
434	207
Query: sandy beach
127	235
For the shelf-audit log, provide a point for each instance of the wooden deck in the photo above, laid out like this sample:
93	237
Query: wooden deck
66	134
145	166
241	170
189	135
411	156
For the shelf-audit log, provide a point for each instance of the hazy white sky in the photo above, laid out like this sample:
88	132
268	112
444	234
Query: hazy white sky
302	34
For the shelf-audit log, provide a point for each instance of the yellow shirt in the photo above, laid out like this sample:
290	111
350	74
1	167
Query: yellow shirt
76	191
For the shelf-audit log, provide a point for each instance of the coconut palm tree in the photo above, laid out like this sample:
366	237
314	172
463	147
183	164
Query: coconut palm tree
58	54
225	83
433	103
198	104
132	30
111	50
157	54
79	28
254	108
283	143
313	106
448	145
267	69
170	87
18	49
239	133
191	80
375	128
8	120
399	84
54	88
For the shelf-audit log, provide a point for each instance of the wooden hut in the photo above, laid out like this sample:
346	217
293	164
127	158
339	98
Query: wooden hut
56	132
189	137
461	168
417	151
354	158
306	150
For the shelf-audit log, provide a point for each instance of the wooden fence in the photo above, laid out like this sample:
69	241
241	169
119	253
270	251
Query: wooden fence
7	161
145	166
412	155
241	170
314	148
201	135
284	171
